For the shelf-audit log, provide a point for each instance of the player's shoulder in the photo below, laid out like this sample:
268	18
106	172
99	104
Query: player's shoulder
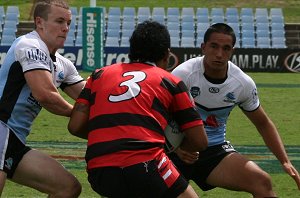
31	40
189	68
63	59
238	74
190	65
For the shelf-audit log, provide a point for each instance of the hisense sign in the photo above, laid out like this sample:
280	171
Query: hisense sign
92	35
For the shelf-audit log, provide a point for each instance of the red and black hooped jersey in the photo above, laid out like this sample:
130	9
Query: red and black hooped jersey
130	104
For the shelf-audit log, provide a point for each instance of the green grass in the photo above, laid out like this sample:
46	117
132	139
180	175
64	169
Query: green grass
291	8
279	96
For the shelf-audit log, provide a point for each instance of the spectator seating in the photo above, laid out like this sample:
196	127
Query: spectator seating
248	42
70	40
175	41
263	42
158	11
126	33
74	11
78	41
278	43
254	27
187	42
159	18
217	12
7	40
129	11
173	11
14	10
112	42
231	12
124	42
246	12
2	12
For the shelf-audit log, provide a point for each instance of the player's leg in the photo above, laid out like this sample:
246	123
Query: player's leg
5	145
188	193
2	181
236	172
39	171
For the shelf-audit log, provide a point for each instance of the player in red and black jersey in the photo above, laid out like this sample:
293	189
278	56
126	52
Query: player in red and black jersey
123	111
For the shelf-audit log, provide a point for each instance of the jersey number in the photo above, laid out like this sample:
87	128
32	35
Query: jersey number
133	88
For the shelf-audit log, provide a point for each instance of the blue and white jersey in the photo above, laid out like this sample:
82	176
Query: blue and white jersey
215	101
18	108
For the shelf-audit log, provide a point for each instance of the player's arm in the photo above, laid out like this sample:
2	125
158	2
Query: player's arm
45	92
73	91
195	140
78	121
271	137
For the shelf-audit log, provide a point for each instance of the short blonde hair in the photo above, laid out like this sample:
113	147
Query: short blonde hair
43	8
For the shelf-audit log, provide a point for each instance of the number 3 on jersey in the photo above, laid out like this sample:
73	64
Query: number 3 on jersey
133	88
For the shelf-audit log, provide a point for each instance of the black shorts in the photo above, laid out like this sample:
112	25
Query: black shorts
208	160
143	180
12	150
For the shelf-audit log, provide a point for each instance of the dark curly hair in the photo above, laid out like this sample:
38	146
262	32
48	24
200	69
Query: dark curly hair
150	41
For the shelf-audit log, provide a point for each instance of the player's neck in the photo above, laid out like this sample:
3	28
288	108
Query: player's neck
216	76
214	79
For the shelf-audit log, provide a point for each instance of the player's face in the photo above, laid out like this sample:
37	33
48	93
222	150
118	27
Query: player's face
55	28
217	50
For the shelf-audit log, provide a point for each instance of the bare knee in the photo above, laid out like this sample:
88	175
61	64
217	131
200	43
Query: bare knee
74	189
263	186
70	190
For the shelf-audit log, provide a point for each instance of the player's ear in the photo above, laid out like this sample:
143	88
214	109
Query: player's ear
202	46
164	62
38	22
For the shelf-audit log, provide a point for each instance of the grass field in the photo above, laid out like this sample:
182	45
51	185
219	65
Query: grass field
279	94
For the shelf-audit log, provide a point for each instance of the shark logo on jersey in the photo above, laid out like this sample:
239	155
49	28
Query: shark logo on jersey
61	75
195	91
230	97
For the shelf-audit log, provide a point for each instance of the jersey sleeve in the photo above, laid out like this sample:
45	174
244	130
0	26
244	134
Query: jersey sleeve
32	55
181	71
71	74
250	100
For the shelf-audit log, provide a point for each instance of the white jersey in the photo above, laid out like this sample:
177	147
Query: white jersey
18	108
215	101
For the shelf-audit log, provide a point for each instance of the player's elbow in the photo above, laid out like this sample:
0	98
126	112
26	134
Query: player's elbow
77	130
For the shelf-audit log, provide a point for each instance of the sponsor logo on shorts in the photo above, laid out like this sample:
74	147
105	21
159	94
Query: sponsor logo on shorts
9	163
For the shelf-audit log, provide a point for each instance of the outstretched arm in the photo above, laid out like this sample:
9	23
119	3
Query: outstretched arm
272	139
45	92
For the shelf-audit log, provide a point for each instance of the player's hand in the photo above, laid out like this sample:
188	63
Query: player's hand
291	170
187	157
